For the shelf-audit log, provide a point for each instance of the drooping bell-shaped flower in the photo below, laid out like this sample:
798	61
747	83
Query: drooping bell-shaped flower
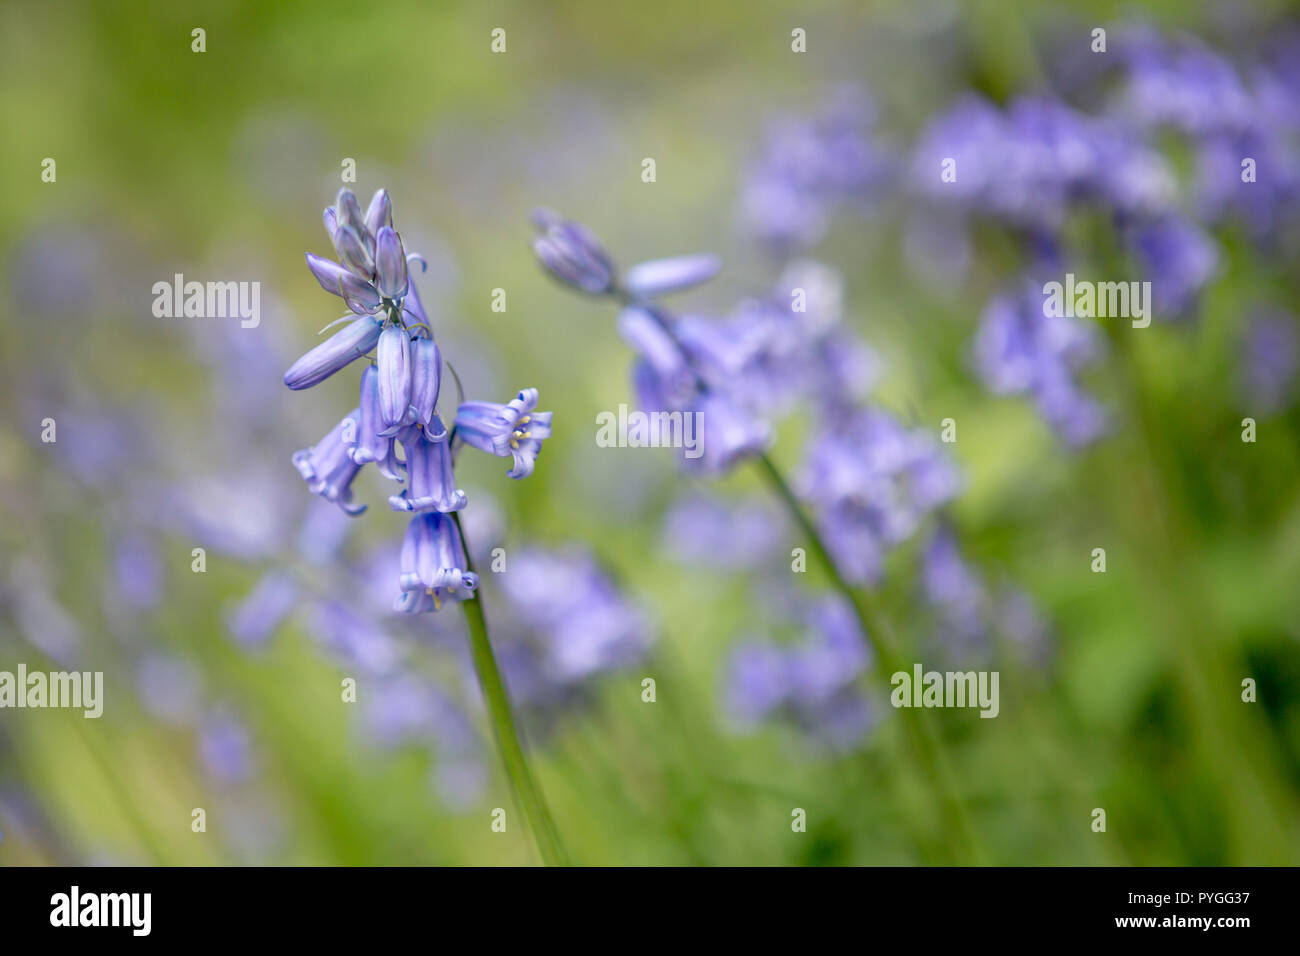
328	469
433	564
371	446
394	360
431	484
334	353
390	264
513	430
426	379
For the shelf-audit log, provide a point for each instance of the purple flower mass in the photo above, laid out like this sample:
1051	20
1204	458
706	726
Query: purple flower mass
1019	349
814	681
398	401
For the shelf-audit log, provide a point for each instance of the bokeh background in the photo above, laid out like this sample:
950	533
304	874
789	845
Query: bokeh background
1119	690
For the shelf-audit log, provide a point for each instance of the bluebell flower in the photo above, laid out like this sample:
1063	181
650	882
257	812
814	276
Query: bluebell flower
371	445
399	392
433	564
394	363
328	467
426	379
430	478
514	430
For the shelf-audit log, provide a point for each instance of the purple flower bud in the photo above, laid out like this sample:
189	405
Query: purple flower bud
371	446
354	252
506	430
348	211
379	213
361	297
331	221
428	463
394	358
572	254
433	564
333	354
390	263
660	276
426	379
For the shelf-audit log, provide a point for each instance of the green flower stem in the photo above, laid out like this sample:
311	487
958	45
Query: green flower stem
527	792
924	741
